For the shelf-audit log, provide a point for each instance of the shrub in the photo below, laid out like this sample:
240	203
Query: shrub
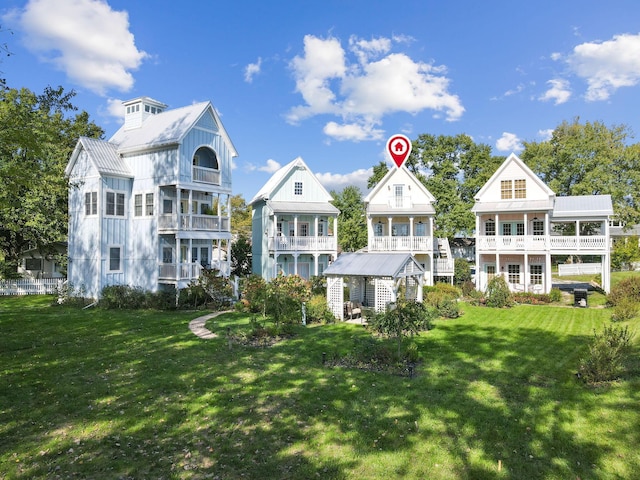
628	288
210	289
254	291
555	295
625	309
285	295
498	294
122	297
461	271
531	298
469	289
449	309
607	355
318	310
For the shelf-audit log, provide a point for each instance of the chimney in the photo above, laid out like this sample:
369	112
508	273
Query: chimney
139	109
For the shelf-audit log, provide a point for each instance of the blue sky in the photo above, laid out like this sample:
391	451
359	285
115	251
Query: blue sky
330	80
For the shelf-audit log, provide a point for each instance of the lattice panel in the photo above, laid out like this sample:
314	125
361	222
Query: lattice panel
384	294
335	296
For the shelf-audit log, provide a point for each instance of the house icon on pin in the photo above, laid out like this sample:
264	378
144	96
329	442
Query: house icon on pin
399	147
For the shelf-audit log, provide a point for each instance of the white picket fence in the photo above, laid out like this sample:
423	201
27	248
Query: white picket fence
28	286
579	269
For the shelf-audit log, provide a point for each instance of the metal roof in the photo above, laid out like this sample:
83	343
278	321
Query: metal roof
583	206
372	265
512	206
415	209
105	157
304	207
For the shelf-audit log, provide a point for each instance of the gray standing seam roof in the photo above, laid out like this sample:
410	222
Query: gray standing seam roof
583	206
105	157
369	264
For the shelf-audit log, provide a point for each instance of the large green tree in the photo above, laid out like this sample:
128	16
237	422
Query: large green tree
352	224
240	216
37	137
590	159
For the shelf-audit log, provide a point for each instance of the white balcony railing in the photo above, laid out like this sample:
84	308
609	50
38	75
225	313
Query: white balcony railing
302	244
400	244
210	223
443	267
540	243
206	175
179	271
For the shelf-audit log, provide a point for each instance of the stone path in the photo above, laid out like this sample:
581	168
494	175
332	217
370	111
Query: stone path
197	326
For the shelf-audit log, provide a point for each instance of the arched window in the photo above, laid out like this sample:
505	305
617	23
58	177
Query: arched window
206	158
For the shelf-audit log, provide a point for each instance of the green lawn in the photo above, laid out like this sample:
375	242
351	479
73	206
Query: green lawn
103	395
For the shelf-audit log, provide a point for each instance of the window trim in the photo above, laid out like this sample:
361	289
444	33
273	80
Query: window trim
92	204
110	259
119	202
297	188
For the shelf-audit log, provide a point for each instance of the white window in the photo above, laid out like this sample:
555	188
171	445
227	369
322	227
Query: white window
167	255
506	229
148	204
519	228
421	229
297	188
115	259
538	227
303	229
398	193
514	273
115	204
400	230
137	205
378	229
167	206
536	274
490	227
91	203
321	228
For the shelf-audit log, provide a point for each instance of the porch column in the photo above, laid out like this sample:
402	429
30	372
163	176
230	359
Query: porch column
295	263
390	223
411	234
548	279
432	235
316	239
477	254
315	264
295	225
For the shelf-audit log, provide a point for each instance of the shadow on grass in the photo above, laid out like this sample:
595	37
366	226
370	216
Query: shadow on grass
136	395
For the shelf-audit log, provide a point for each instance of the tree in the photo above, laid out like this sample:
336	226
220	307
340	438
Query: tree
36	141
625	252
241	256
590	159
240	216
352	224
404	319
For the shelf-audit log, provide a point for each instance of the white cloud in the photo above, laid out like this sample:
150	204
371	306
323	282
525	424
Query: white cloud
271	166
86	39
607	66
558	91
252	70
337	182
509	142
352	131
546	134
362	92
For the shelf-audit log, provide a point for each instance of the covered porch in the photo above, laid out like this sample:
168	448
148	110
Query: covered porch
374	280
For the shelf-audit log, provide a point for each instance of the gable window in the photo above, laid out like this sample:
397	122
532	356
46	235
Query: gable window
115	259
137	205
490	227
148	204
297	188
91	203
115	204
398	194
520	188
505	189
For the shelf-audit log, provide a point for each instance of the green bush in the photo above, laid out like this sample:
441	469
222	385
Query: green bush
498	294
318	310
625	309
555	295
607	355
629	288
254	293
449	309
134	298
461	271
531	298
469	289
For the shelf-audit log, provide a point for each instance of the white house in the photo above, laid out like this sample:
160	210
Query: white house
521	224
294	227
150	207
400	219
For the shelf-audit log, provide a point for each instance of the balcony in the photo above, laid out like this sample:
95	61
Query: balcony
303	244
400	244
443	267
203	223
206	175
541	243
189	271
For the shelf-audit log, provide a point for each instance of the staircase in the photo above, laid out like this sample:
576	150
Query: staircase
442	260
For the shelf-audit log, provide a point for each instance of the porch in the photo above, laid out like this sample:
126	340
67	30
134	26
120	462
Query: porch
171	222
542	243
284	243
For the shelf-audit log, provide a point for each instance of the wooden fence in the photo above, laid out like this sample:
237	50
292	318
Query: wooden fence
28	286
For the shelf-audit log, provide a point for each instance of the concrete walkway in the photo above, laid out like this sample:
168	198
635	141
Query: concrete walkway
197	326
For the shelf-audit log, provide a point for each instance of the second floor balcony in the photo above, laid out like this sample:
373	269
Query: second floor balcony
193	222
400	244
283	243
206	175
541	243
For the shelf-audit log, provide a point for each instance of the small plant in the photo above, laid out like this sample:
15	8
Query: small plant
318	310
607	355
498	294
628	288
555	295
625	309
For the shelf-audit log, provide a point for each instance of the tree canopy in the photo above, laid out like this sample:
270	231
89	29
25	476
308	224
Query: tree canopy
590	159
36	140
352	224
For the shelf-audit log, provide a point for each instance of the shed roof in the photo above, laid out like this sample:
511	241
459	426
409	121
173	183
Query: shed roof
583	206
372	265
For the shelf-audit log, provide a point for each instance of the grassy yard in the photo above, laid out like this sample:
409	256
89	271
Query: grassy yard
103	395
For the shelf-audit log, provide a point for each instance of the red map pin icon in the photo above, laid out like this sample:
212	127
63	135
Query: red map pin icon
399	147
